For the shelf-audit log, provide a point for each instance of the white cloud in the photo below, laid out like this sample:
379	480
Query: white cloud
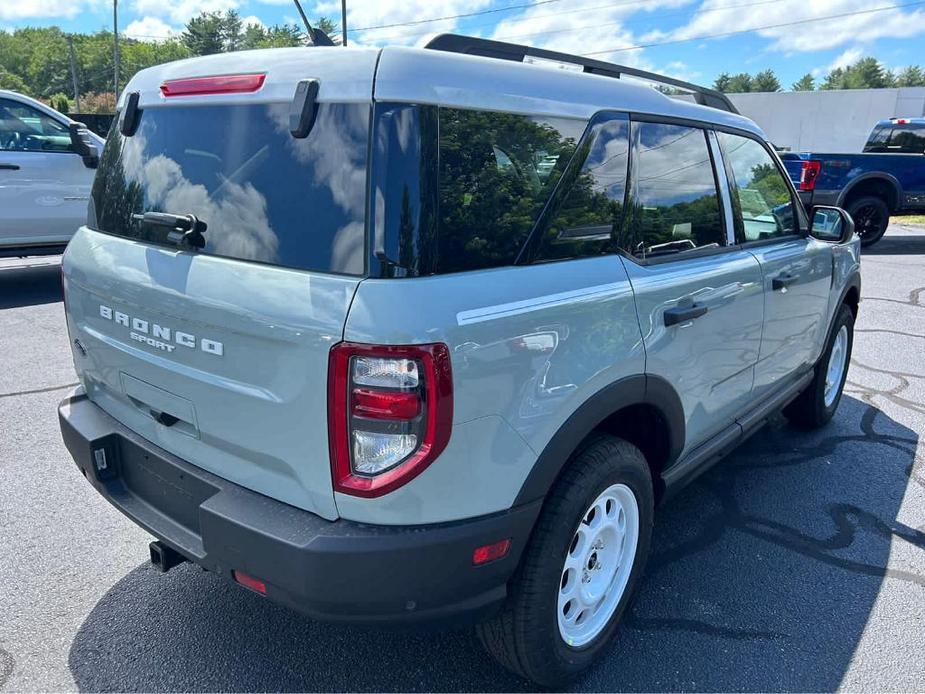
367	13
180	11
30	9
825	33
252	20
150	29
849	57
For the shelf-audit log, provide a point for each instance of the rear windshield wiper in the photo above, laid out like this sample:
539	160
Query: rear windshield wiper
185	229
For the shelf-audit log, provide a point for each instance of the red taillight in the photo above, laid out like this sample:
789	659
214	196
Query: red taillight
394	402
218	84
809	173
487	553
247	581
379	404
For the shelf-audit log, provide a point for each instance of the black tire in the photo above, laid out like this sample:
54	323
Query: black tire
871	217
809	410
524	637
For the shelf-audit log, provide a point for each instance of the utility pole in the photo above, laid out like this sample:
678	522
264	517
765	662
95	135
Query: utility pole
115	48
70	50
343	22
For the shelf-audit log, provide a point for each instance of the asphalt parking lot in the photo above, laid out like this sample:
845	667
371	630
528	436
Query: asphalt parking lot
796	564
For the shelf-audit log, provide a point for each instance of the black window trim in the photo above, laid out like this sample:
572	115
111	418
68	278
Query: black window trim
697	253
799	213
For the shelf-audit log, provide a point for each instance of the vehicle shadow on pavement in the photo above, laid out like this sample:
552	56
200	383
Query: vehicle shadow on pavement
899	240
762	577
29	285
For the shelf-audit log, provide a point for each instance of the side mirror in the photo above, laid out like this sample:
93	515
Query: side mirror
831	224
83	144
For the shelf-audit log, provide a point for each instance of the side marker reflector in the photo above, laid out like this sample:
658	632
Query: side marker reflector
487	553
247	581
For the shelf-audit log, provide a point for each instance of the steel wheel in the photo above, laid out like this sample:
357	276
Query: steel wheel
598	565
835	370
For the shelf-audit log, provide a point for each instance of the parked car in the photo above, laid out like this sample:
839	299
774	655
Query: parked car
47	164
426	334
888	178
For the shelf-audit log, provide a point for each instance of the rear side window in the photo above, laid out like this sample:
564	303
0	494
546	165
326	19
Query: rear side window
589	207
264	195
496	173
908	138
762	206
878	139
677	208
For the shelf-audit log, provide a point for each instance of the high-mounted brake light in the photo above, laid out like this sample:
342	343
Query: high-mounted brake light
809	173
901	121
217	84
390	414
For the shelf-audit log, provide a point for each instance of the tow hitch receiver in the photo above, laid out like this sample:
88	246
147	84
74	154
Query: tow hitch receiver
163	557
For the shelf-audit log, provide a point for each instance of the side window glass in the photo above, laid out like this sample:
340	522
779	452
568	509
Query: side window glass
589	207
908	138
676	205
878	139
762	206
25	129
497	171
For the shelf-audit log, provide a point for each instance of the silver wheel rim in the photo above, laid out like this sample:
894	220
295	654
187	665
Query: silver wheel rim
836	369
597	565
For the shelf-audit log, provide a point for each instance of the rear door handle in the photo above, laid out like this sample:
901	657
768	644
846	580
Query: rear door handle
682	314
9	167
783	281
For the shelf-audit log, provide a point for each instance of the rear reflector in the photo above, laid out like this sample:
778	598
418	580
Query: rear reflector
382	404
254	584
487	553
219	84
809	173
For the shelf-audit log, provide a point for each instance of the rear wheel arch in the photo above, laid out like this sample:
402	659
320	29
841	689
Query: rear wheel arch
877	185
643	409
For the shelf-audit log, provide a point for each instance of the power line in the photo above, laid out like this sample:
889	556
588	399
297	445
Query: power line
459	16
748	31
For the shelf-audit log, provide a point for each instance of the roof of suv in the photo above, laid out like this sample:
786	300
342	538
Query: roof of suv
424	76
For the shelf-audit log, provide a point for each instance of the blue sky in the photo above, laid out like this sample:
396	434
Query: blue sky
841	30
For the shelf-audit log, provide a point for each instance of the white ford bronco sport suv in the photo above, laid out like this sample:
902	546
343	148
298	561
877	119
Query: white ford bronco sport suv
397	335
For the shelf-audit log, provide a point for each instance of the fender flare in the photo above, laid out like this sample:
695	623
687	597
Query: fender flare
640	389
887	178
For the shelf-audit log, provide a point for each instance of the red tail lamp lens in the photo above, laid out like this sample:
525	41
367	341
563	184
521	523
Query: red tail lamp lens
247	581
809	173
487	553
377	404
219	84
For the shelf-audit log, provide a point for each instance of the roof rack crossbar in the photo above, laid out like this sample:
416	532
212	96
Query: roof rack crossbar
455	43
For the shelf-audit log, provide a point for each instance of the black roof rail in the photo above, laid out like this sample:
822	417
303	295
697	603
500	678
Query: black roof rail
456	43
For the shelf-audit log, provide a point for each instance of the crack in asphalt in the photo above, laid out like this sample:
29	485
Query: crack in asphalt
47	389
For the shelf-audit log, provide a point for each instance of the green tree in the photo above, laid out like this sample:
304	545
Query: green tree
740	83
866	73
721	83
765	81
805	84
205	34
912	76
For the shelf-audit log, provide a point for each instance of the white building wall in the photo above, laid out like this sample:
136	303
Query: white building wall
827	120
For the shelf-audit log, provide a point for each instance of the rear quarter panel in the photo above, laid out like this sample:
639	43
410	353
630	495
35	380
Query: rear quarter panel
528	345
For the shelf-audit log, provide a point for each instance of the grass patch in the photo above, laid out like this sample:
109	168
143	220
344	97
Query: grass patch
911	219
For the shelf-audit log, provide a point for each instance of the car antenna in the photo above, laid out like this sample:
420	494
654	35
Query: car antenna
316	36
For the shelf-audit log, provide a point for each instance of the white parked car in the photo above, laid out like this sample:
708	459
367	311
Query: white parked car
47	164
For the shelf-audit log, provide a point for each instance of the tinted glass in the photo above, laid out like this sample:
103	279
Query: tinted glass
590	204
878	139
497	171
676	206
25	129
908	138
265	196
761	202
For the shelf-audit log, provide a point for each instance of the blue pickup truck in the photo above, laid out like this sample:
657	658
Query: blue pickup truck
888	178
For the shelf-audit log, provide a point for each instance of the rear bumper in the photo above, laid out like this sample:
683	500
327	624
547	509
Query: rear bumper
341	571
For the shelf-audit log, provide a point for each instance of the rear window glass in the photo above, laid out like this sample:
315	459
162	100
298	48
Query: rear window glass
908	138
264	195
497	171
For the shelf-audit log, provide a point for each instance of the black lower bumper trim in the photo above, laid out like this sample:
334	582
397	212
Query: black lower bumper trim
338	570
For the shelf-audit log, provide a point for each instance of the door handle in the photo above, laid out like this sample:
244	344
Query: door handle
783	281
682	314
9	167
